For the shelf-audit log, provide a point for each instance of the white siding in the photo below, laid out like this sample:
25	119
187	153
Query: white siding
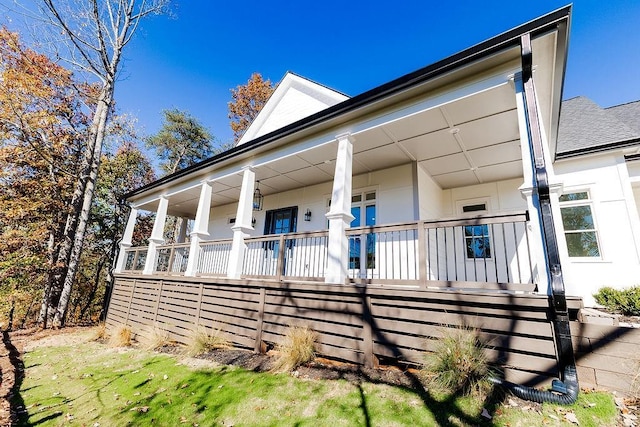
616	214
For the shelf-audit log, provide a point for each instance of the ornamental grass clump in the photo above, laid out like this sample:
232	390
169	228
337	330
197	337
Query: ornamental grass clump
121	337
296	349
458	365
100	333
203	340
156	338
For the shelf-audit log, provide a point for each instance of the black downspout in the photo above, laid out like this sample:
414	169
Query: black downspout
564	391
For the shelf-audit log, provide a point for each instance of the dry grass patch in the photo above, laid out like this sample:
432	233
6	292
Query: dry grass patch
100	333
121	337
203	340
297	348
156	338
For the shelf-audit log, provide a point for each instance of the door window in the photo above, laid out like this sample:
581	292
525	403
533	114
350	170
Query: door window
363	209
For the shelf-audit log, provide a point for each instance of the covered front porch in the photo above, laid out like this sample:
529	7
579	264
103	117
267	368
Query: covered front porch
429	193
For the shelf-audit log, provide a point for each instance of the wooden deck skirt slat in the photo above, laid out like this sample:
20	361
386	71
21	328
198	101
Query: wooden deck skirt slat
358	324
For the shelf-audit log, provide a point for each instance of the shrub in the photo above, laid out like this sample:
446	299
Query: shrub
203	340
625	301
121	337
458	364
297	348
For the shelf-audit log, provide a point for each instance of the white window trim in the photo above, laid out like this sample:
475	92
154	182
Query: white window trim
596	229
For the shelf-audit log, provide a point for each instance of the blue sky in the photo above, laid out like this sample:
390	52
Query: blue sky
191	61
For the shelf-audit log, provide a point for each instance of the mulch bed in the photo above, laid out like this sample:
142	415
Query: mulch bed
319	369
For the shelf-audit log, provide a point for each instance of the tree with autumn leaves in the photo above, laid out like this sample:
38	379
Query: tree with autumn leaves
45	122
247	101
42	132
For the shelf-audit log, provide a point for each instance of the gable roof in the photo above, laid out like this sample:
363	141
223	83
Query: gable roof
585	127
294	98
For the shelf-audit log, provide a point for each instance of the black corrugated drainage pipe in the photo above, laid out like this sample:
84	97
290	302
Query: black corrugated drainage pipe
564	391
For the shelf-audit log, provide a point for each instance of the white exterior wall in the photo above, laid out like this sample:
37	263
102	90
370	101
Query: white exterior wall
394	188
615	212
430	196
502	196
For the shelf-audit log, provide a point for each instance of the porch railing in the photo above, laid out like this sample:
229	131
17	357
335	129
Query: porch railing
172	259
293	255
482	249
491	248
214	257
135	258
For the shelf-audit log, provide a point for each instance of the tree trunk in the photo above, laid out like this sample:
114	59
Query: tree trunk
96	140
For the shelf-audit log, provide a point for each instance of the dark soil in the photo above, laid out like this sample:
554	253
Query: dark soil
319	369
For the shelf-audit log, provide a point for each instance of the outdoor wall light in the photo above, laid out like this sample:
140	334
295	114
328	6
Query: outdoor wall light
307	215
257	198
253	221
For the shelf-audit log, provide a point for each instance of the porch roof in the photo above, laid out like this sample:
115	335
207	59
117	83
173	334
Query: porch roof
456	118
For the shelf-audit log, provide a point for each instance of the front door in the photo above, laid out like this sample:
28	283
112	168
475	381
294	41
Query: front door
279	221
362	248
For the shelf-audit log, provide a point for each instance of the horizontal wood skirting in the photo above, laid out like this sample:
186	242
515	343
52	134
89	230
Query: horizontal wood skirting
362	324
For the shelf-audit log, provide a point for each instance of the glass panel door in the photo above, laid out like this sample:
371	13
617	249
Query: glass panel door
362	256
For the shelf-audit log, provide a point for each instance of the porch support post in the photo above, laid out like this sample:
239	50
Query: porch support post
242	225
182	232
339	215
125	243
200	229
157	237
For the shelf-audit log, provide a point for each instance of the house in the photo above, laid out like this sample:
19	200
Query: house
448	197
598	176
447	144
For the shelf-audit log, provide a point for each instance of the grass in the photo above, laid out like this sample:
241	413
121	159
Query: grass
297	348
91	383
591	409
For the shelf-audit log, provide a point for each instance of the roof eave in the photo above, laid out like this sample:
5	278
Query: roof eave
557	20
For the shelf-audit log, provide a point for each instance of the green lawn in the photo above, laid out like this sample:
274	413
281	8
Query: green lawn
93	385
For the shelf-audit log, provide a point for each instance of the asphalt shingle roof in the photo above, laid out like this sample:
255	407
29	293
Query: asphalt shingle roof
628	113
585	125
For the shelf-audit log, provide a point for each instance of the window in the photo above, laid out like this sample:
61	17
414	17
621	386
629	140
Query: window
477	241
579	226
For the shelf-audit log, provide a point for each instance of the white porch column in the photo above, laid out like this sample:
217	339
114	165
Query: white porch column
200	229
242	225
182	231
125	243
339	215
527	189
157	237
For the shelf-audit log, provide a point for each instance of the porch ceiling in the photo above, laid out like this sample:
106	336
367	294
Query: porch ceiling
468	141
471	140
